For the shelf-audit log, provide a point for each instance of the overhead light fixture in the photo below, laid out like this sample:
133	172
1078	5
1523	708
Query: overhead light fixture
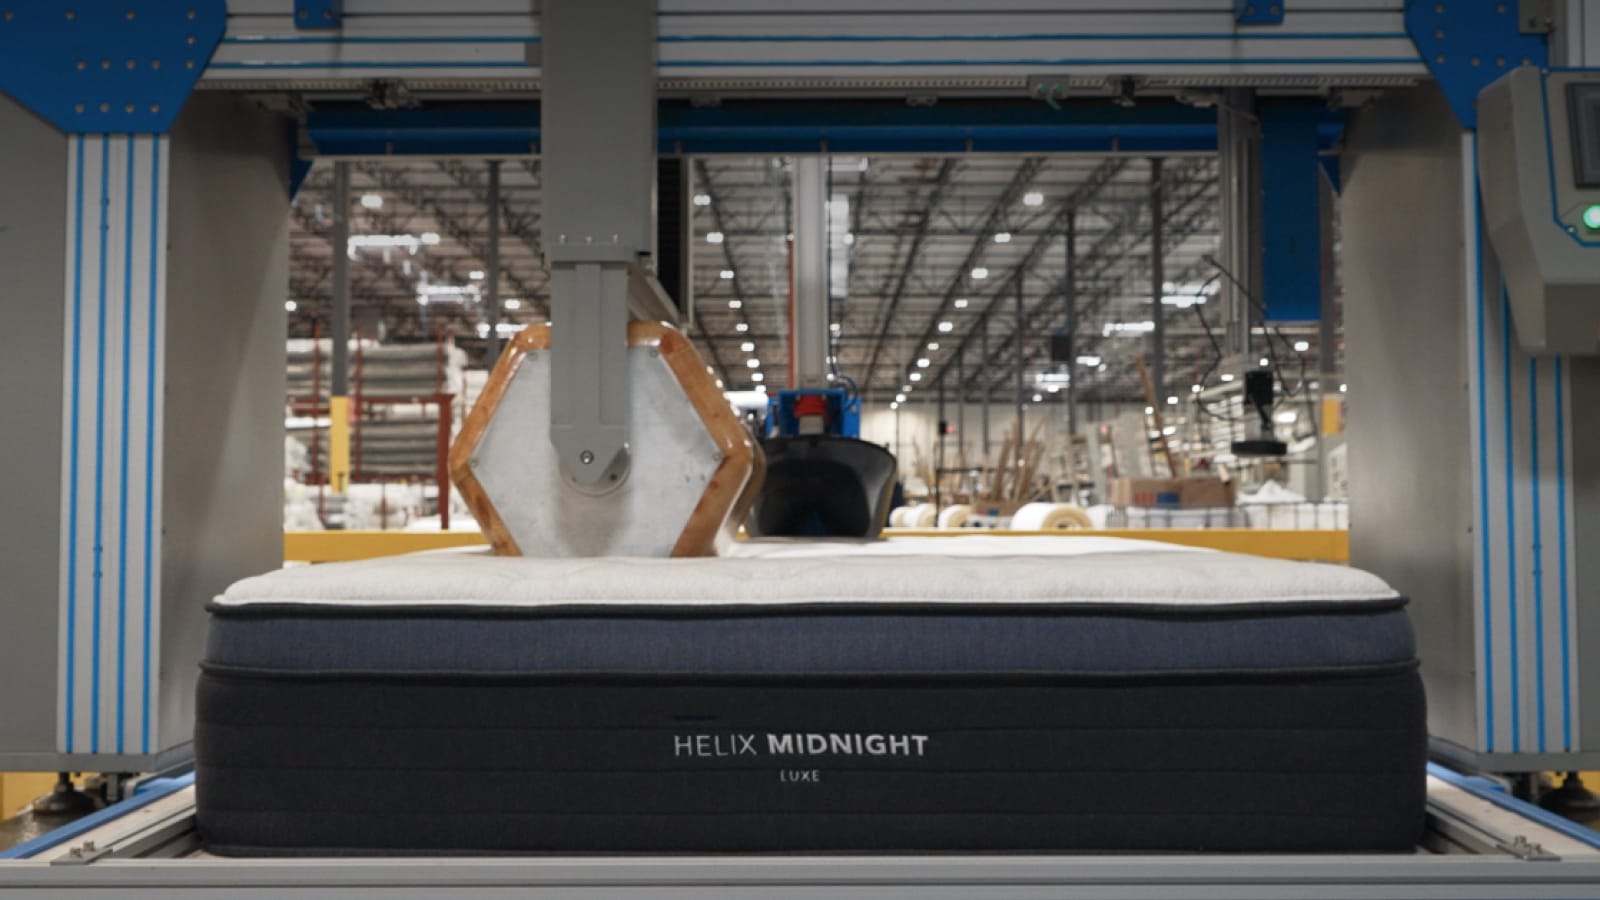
899	398
1102	367
513	303
924	362
748	346
741	327
736	304
1170	430
1227	376
719	384
906	388
290	305
961	303
1194	388
372	201
916	376
946	327
726	274
1037	397
752	363
933	345
1172	401
430	238
1088	360
1111	328
1344	388
714	237
702	199
1054	388
428	293
835	328
894	405
1149	410
1287	417
980	273
406	242
476	275
1265	362
849	238
1302	346
1033	198
757	377
1002	237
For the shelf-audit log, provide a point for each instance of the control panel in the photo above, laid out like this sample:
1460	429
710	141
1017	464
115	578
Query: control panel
1539	177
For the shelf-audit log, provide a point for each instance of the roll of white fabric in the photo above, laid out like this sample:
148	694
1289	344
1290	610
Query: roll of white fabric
923	515
1049	517
897	516
955	516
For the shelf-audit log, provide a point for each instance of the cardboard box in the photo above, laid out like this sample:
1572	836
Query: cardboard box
1174	493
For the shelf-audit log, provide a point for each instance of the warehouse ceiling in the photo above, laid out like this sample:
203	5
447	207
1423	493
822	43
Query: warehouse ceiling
928	257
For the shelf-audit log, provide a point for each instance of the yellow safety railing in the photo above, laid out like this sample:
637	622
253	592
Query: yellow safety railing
1322	546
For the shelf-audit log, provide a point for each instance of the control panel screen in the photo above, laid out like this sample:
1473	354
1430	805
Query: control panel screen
1583	100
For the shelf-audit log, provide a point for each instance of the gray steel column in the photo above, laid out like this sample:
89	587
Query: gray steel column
1158	286
1239	187
339	319
1069	297
1327	339
961	400
938	456
598	111
492	264
1019	343
983	355
808	305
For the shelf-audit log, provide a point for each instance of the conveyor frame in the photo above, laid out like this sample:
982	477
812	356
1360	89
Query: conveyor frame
1481	843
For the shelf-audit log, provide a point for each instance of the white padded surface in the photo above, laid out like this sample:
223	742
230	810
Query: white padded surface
966	570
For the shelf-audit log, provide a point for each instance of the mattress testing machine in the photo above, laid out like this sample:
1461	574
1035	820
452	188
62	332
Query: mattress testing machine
1492	846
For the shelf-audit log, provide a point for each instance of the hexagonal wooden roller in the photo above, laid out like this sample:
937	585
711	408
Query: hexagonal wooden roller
694	469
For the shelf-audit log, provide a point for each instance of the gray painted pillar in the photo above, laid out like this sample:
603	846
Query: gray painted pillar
1158	289
961	400
1327	338
1239	188
492	264
983	354
808	310
1069	297
339	317
1018	341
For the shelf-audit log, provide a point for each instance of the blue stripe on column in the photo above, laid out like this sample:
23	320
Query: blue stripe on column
1486	618
1538	547
150	423
99	448
122	504
72	471
1511	525
1561	558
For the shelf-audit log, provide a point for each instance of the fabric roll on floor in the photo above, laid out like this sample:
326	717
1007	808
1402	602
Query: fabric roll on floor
1049	517
955	516
923	515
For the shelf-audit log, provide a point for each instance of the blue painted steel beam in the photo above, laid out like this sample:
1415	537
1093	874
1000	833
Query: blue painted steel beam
1468	44
316	14
772	128
1291	228
107	66
1258	12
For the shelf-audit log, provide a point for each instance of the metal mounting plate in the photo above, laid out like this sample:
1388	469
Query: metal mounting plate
107	66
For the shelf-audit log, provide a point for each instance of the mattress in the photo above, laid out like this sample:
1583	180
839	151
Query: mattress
958	694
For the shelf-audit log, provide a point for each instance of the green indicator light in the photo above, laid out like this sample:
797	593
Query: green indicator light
1591	217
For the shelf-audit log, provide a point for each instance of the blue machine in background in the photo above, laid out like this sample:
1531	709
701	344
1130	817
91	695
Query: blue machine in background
830	411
